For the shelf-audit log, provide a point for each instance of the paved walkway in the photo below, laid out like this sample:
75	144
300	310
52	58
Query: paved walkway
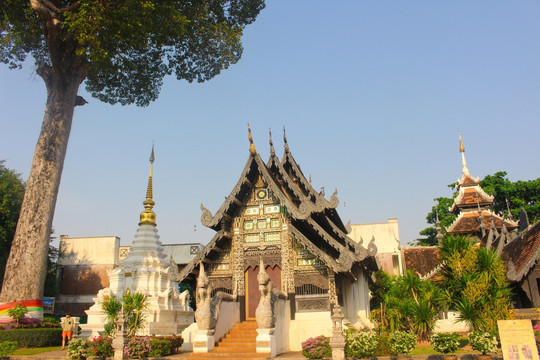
295	355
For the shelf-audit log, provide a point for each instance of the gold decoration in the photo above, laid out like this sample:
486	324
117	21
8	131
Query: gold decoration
148	216
252	149
461	147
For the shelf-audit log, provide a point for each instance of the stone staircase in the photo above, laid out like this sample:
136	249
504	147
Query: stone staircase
239	343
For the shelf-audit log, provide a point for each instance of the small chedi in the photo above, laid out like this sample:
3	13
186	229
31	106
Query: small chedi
147	270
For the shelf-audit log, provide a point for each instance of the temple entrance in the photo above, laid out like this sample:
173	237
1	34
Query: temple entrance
252	287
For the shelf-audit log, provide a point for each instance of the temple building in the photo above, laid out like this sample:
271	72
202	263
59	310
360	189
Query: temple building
274	215
473	205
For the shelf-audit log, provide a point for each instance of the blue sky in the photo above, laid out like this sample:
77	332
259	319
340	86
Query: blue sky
372	95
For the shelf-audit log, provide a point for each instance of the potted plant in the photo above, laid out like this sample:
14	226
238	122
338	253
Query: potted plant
401	342
446	343
484	342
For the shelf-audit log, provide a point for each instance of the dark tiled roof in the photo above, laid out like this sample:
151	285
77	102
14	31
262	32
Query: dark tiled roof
522	253
421	259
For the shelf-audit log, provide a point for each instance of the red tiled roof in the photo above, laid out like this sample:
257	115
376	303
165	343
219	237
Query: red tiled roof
522	253
468	222
471	196
468	180
421	259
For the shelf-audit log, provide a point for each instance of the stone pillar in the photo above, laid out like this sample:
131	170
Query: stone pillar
337	341
266	342
204	341
120	339
76	321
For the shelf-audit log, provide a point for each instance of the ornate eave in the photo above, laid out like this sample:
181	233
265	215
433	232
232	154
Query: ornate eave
522	253
203	254
468	222
471	196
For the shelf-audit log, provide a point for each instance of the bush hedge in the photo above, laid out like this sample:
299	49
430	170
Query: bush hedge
33	337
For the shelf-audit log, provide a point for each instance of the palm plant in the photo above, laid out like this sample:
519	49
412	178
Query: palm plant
111	306
136	310
423	319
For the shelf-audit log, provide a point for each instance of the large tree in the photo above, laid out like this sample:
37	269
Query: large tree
508	196
122	50
11	197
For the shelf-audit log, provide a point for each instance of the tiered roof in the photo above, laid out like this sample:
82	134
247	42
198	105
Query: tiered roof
522	253
473	206
313	220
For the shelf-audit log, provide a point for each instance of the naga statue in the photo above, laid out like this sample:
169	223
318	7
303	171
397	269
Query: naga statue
207	311
266	312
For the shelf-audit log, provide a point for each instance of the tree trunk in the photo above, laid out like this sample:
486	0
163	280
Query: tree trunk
27	263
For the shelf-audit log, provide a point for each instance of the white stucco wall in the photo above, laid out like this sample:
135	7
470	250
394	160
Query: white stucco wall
387	240
99	250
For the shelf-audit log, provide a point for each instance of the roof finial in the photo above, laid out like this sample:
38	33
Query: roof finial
252	149
148	217
465	170
272	150
285	140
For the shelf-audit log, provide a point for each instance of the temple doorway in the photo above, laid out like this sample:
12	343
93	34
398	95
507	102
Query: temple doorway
252	287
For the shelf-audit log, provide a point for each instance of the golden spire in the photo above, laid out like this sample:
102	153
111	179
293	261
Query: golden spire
464	170
252	149
148	216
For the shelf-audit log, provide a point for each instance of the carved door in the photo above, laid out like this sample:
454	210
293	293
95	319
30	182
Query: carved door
253	293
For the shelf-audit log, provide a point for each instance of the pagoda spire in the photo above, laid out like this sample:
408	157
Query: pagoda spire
148	216
465	170
252	149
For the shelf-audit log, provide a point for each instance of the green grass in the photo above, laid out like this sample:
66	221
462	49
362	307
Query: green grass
34	351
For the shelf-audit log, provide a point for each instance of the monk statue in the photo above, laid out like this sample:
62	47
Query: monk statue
266	312
207	311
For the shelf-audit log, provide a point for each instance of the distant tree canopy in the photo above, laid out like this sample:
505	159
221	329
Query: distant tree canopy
508	196
11	197
122	50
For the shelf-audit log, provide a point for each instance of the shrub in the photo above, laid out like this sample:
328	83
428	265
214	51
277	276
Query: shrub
78	349
483	341
160	347
446	343
176	343
401	342
40	337
138	347
361	344
317	347
100	347
7	348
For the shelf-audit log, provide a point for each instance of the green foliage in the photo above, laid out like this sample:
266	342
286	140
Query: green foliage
135	311
475	282
78	349
11	197
17	313
40	337
7	348
127	47
317	347
175	341
100	347
446	218
183	287
361	344
160	348
483	341
445	343
401	342
513	195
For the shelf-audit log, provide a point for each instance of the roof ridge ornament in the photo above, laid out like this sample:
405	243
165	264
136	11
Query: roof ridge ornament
285	140
272	150
148	216
252	149
464	170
